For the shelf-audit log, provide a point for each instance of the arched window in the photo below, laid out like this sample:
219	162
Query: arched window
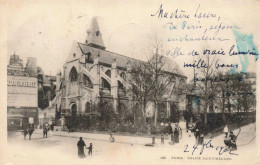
123	75
108	73
73	74
87	82
105	84
87	107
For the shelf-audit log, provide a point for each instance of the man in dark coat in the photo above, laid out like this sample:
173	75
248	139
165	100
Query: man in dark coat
25	132
81	144
45	131
52	127
187	126
176	135
197	135
233	139
30	131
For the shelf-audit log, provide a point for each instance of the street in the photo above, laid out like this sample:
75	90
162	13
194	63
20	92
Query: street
61	147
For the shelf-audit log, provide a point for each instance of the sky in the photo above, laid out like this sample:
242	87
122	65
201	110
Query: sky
47	29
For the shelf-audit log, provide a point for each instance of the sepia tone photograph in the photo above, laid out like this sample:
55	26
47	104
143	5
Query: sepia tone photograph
129	82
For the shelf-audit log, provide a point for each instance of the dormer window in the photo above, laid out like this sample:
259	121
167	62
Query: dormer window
97	33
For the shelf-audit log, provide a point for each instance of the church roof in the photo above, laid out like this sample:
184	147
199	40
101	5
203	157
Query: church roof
108	57
171	66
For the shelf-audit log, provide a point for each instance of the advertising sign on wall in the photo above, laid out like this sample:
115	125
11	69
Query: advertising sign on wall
22	91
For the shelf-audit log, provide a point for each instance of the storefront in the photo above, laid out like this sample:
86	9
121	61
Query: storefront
22	101
17	118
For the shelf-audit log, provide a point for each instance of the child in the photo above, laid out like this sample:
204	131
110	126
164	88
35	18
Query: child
90	149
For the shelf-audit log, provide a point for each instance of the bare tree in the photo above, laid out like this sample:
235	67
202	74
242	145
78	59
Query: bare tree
242	91
152	81
139	78
205	85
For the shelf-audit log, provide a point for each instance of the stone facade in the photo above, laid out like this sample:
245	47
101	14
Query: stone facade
92	75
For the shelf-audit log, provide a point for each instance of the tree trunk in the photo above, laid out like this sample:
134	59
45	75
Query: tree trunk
143	116
205	115
223	110
155	113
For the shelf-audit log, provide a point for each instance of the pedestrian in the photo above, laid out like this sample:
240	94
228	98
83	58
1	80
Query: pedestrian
201	138
187	126
68	126
197	135
30	131
176	135
90	149
226	130
162	138
233	139
25	132
180	132
52	127
81	144
111	138
227	141
45	131
169	129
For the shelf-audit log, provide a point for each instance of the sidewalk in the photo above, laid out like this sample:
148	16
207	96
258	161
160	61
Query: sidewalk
103	137
246	131
246	135
132	140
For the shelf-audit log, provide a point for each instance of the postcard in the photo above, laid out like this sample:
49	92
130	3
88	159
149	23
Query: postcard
129	82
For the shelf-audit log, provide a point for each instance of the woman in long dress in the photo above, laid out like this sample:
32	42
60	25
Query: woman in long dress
176	135
81	144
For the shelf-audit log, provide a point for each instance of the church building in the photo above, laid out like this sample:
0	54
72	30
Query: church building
91	75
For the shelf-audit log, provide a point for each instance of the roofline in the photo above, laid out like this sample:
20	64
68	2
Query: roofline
110	52
127	57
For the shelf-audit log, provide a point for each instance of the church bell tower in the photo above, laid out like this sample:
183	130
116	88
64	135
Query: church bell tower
94	36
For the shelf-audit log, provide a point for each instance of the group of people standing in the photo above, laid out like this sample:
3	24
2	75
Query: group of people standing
198	131
81	144
28	130
175	134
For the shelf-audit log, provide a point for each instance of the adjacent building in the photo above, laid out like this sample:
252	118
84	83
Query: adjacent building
22	92
30	91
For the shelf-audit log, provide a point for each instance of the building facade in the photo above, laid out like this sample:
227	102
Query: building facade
22	92
93	75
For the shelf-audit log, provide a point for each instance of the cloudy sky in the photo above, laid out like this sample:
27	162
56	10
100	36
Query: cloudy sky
47	29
